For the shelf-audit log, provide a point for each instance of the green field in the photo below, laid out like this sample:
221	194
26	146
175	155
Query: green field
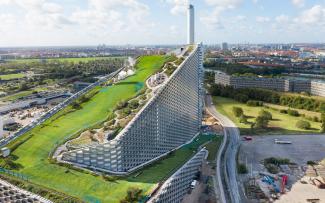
33	154
73	60
164	168
12	76
280	124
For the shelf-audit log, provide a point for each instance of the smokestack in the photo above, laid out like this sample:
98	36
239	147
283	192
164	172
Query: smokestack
190	24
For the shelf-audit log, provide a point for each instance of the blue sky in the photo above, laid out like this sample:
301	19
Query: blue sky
115	22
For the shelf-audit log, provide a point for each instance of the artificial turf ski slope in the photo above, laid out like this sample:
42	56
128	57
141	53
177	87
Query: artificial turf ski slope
33	154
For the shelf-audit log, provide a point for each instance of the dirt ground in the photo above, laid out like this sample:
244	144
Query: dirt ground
199	194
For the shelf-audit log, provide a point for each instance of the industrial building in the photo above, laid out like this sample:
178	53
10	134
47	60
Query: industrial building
170	119
316	88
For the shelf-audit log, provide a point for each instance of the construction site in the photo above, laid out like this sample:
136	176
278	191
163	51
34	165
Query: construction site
291	170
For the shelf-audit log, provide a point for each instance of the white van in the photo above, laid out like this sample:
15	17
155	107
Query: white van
193	184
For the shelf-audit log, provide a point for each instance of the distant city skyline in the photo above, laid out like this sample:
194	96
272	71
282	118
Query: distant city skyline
115	22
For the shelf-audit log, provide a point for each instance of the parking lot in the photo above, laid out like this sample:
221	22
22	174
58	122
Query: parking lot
303	148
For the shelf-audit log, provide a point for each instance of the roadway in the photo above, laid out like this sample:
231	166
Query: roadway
228	160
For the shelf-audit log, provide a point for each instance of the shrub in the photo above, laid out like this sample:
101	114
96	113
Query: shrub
311	163
261	122
323	123
75	105
109	178
284	111
293	113
276	161
84	98
126	111
254	103
303	124
122	104
134	104
271	168
133	195
242	169
265	114
237	111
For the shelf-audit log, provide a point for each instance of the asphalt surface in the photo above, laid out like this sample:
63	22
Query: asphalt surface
233	142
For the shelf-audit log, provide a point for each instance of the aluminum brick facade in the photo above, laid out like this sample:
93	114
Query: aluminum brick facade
174	188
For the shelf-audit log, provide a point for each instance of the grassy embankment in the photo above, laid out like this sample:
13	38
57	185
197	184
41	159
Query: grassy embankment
280	124
33	154
12	76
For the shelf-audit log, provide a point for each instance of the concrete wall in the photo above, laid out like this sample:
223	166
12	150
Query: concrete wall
171	118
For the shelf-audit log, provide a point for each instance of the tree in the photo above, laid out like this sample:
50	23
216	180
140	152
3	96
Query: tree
237	111
267	115
323	123
261	122
303	124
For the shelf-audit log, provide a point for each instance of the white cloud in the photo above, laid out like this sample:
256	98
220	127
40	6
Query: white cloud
41	13
229	4
7	20
262	19
312	16
178	6
5	2
114	16
298	3
282	19
213	21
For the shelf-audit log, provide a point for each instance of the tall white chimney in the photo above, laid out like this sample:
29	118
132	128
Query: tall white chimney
190	24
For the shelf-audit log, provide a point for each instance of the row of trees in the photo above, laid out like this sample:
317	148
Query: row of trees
240	69
63	69
269	96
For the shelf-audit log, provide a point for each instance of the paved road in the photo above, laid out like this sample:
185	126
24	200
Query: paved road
233	141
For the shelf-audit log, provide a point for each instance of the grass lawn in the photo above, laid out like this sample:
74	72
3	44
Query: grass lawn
166	167
12	76
301	111
281	123
33	154
73	60
213	147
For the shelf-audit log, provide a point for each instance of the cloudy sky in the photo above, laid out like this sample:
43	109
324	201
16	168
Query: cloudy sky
113	22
